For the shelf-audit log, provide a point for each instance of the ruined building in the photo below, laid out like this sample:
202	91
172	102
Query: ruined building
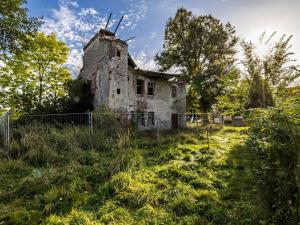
117	83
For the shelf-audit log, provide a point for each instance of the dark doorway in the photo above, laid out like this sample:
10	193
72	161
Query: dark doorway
174	121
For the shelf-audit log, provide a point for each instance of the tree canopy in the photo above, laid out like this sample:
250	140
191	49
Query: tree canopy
202	49
35	78
15	24
270	74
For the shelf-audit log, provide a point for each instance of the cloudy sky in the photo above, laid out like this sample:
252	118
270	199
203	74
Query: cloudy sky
76	21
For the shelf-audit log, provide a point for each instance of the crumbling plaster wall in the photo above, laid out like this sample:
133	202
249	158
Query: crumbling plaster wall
109	72
96	67
162	103
118	78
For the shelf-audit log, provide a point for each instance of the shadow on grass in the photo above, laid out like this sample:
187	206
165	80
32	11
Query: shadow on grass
243	196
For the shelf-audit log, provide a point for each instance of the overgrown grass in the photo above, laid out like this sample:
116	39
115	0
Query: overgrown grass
75	177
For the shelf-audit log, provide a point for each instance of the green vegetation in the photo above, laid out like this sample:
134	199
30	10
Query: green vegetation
274	137
73	177
15	25
267	81
39	76
202	48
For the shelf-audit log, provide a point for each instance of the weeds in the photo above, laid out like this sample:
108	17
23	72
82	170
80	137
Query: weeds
78	177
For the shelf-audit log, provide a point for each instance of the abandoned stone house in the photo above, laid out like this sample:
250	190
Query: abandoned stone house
117	83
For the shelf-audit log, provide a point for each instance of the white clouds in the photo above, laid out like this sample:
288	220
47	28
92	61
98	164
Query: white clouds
88	11
69	3
75	25
145	62
153	35
136	12
75	60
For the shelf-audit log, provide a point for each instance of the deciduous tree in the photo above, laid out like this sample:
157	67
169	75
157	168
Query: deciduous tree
202	49
35	78
270	74
15	24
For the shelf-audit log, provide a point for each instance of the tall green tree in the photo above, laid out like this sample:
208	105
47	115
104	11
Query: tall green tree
202	49
269	74
279	65
35	78
15	24
235	95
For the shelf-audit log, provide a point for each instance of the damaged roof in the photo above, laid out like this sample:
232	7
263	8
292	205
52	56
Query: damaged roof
103	33
155	74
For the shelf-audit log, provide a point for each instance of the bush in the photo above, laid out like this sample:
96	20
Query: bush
273	135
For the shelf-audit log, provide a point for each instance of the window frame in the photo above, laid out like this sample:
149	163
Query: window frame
152	86
151	120
137	86
141	119
174	91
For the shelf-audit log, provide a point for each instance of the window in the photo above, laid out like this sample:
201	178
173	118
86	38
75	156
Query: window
151	119
151	88
140	87
174	92
118	53
141	118
133	117
118	91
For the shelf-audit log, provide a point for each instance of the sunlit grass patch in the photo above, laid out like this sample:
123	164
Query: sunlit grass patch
185	179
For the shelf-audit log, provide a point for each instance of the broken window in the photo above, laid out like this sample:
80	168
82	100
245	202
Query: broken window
151	119
174	92
151	88
118	53
141	118
140	87
118	91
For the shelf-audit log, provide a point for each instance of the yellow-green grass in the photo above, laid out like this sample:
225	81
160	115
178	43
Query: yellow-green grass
179	181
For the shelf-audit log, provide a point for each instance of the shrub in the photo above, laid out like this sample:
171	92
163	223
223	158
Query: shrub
273	135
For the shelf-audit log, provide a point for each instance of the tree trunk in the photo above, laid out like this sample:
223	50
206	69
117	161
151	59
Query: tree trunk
40	93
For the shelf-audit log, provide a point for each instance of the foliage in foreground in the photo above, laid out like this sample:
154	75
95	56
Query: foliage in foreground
64	177
274	138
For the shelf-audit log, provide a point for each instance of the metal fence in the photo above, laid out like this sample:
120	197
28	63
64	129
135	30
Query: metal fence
139	122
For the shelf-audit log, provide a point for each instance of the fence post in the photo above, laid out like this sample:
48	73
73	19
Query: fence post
207	136
91	121
157	132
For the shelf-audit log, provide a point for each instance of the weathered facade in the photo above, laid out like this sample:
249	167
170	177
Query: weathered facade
117	83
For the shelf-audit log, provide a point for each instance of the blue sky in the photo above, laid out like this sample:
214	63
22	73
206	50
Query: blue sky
76	21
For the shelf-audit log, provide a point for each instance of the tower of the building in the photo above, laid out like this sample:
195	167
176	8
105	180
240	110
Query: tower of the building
105	64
